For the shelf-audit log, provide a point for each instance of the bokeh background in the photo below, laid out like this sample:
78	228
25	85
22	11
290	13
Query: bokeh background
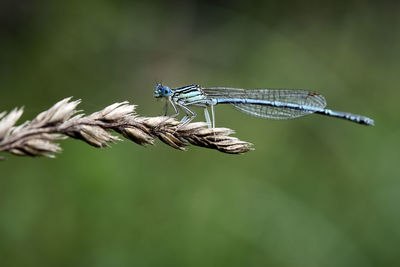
316	191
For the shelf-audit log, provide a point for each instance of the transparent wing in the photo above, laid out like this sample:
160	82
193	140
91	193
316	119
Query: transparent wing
305	98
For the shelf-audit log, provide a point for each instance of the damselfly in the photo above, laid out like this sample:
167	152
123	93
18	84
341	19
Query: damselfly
275	104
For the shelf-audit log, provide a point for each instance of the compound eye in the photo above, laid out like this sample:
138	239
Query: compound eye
165	90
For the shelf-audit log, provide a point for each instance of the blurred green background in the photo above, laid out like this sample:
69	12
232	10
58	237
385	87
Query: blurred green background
316	191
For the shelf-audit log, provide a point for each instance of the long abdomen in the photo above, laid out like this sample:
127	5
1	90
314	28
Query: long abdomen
281	110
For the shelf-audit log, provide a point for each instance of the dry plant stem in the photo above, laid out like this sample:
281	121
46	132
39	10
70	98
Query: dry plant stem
37	137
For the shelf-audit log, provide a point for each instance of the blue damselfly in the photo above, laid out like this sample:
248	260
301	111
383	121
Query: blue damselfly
275	104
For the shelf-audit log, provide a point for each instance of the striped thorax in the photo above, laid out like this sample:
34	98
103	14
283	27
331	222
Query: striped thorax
189	95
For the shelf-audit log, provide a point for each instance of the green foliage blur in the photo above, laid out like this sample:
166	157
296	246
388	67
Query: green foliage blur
317	191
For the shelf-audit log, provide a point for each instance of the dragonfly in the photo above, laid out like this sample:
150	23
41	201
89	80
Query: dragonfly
275	104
